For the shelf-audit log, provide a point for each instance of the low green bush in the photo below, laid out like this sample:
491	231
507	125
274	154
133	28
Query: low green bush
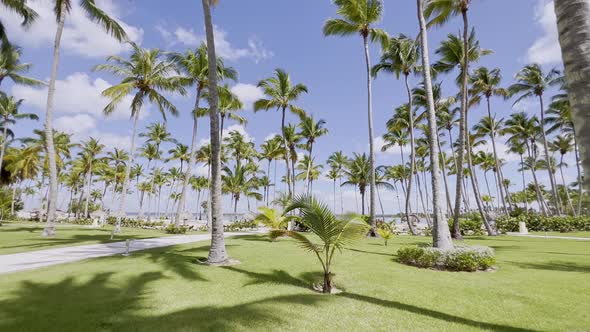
538	223
172	229
241	225
469	259
135	223
469	224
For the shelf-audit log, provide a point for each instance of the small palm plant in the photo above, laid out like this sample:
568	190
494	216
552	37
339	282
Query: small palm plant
273	219
385	232
334	234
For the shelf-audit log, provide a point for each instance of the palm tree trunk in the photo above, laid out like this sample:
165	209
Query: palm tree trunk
443	169
556	199
287	154
498	173
574	36
189	164
567	192
3	146
476	192
14	187
121	210
426	213
52	202
412	156
217	252
373	231
87	191
334	193
580	192
540	198
440	230
307	171
362	203
341	198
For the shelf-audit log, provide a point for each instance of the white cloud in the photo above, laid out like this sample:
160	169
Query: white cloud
546	49
236	127
379	142
83	126
270	136
247	93
76	94
189	37
81	36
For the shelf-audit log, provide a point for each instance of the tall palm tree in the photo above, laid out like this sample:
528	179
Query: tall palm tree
198	184
358	18
195	67
311	130
357	175
486	82
453	54
217	252
90	150
179	152
229	105
559	117
574	36
531	82
271	150
12	68
25	12
293	139
281	94
145	75
333	175
61	10
563	145
9	115
440	231
338	162
401	57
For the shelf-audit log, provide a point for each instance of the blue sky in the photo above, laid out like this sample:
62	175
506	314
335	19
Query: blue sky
255	37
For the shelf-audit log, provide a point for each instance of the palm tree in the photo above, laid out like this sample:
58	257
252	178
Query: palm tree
455	53
440	230
574	35
533	82
217	252
239	181
281	94
401	57
527	131
333	175
338	162
12	68
9	115
229	105
146	76
486	82
198	184
195	68
275	220
292	137
309	171
311	130
271	150
358	16
559	117
174	174
179	152
335	234
90	150
61	10
21	9
563	145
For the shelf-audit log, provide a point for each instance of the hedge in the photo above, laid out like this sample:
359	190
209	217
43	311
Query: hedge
469	259
538	223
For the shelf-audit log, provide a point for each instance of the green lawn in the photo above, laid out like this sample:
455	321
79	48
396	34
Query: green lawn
540	284
23	236
570	234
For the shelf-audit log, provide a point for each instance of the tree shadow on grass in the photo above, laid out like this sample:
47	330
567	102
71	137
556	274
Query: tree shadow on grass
554	266
432	313
184	266
371	252
278	277
107	305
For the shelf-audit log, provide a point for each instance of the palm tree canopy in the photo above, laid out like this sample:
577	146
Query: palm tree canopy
280	92
532	81
357	16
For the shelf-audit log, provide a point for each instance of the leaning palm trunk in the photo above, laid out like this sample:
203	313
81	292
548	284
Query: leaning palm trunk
477	193
412	156
424	209
443	169
567	192
3	146
189	165
217	252
556	200
121	209
373	231
580	192
440	230
290	180
498	173
87	192
462	126
52	202
574	36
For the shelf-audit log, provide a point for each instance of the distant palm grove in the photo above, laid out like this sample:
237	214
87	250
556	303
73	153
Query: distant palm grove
452	156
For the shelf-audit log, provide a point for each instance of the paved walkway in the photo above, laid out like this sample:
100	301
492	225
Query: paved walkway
36	259
549	236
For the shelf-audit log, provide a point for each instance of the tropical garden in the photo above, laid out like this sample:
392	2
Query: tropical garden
273	242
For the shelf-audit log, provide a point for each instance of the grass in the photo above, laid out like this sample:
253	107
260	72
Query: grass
569	234
540	284
25	236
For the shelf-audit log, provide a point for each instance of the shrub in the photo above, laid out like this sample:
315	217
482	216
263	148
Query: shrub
468	259
469	224
538	223
241	225
135	223
172	229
